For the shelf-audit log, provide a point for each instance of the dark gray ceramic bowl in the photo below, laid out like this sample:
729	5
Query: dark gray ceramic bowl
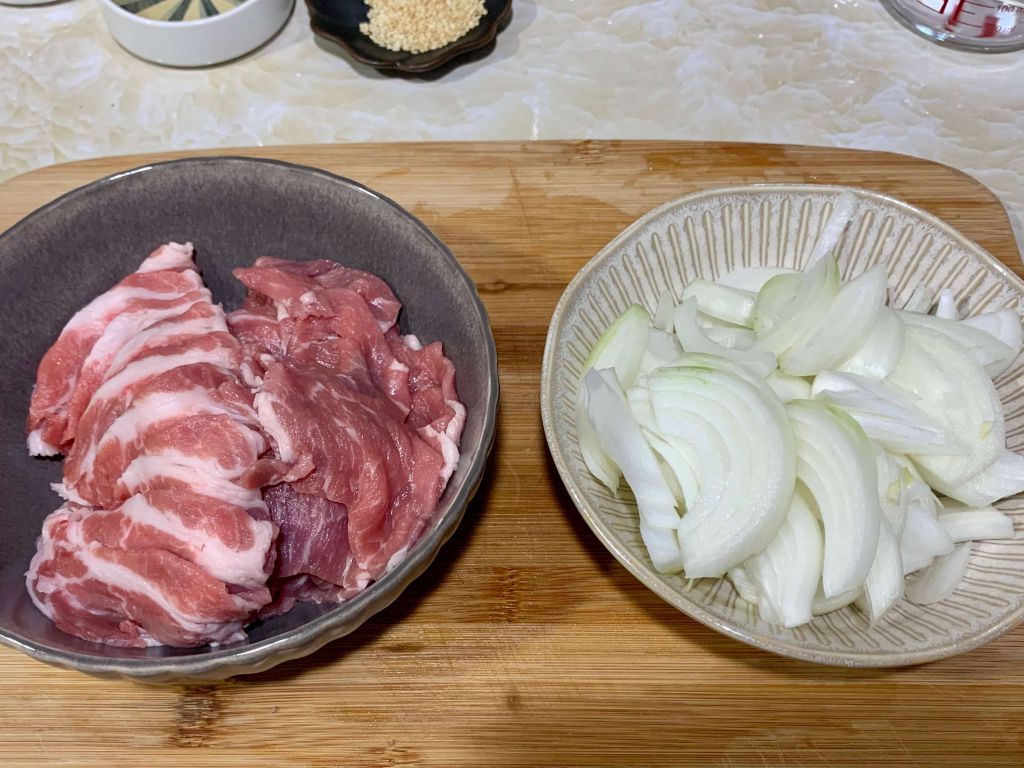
234	209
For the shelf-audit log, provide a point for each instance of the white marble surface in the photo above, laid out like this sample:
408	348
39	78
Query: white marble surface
827	72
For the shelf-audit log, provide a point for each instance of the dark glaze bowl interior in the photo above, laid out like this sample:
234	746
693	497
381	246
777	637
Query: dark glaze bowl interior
234	209
339	20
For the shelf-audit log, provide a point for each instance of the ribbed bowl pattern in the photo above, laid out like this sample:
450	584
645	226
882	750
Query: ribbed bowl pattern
706	235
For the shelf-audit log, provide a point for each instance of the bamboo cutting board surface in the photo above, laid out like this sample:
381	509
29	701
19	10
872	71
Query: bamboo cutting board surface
526	644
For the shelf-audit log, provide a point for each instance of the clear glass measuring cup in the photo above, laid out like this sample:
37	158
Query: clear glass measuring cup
988	26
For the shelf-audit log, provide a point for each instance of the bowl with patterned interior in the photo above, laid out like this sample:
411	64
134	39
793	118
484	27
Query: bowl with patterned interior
194	33
710	233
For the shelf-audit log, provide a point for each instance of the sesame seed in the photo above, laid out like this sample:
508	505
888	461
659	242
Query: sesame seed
417	26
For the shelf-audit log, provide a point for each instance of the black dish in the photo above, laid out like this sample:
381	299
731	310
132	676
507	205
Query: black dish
339	20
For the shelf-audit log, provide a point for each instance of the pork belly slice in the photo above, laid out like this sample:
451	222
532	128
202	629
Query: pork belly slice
166	538
138	596
165	285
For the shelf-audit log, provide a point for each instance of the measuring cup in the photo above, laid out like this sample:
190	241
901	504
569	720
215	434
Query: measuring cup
987	26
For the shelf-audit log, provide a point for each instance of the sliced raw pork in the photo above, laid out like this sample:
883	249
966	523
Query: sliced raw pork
368	421
166	538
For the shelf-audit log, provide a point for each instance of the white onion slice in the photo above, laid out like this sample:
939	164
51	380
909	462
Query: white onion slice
732	337
695	339
884	584
843	211
817	290
835	461
956	393
753	279
787	387
887	414
725	418
946	308
986	349
1003	477
622	440
940	579
788	570
841	329
967	524
923	539
661	349
731	305
664	311
881	350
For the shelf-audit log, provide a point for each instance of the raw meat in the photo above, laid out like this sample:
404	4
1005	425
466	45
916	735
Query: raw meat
369	423
218	469
165	285
166	538
133	597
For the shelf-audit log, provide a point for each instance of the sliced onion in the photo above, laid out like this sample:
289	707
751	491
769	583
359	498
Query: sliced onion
836	462
843	211
1004	477
946	308
1004	325
841	329
823	605
940	579
752	279
967	524
695	339
818	288
743	584
920	300
987	350
661	349
788	570
887	414
621	348
881	350
775	300
788	387
622	440
884	584
732	337
731	305
724	418
891	495
664	311
681	463
956	393
923	539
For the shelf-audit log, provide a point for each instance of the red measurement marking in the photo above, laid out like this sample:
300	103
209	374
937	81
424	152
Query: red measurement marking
988	29
954	18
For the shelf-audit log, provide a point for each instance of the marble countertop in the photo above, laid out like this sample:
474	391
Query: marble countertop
824	72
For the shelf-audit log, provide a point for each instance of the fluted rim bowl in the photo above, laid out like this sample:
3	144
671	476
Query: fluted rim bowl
197	42
339	20
704	235
234	209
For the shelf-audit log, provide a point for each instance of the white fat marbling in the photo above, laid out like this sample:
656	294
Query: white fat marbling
837	72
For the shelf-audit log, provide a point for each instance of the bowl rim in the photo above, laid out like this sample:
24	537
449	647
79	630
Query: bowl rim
189	23
346	617
643	570
401	65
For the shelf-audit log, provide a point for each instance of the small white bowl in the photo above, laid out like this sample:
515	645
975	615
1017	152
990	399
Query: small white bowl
197	42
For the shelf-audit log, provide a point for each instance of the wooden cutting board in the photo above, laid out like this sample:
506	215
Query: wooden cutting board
526	644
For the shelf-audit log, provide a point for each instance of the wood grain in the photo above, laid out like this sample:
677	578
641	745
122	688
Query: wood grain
526	644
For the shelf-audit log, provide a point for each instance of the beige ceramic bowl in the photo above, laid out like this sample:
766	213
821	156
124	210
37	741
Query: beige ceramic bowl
705	235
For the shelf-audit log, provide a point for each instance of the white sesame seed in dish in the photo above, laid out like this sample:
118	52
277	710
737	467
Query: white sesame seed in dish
418	26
